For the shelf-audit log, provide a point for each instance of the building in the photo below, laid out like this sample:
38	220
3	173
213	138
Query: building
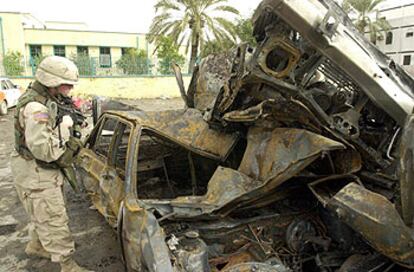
24	33
398	42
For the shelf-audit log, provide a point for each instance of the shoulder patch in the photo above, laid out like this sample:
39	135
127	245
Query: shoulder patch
33	108
41	117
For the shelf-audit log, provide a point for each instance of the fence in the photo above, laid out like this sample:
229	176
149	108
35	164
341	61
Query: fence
132	87
124	66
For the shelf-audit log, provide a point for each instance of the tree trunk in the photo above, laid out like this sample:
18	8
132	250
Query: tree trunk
194	52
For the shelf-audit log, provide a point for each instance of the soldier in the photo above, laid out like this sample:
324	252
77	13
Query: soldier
43	146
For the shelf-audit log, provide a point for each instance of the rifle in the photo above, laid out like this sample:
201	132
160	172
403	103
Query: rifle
66	107
70	175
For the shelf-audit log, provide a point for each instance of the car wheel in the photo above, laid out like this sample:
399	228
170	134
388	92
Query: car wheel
3	108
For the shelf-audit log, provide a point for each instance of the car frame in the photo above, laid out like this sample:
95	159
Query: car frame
142	220
116	197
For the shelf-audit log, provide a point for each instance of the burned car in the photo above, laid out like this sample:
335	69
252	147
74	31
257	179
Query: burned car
295	155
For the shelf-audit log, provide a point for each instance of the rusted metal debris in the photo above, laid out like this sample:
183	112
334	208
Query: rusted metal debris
296	155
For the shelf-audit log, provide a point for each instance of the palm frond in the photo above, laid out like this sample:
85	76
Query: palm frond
362	6
346	6
166	5
210	3
192	22
374	4
383	24
227	9
227	26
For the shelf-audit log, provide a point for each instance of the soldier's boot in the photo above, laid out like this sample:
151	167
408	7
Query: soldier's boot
69	265
35	249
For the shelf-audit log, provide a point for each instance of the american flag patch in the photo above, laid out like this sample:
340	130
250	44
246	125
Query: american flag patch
41	116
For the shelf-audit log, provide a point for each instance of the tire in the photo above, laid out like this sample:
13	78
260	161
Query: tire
3	108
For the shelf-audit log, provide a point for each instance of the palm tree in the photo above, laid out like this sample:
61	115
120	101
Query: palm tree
244	29
192	23
364	22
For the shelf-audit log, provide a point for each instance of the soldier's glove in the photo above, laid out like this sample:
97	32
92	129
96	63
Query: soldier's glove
67	121
72	149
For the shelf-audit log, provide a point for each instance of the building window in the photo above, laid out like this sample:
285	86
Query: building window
388	38
35	51
105	57
409	34
59	50
124	51
407	60
83	50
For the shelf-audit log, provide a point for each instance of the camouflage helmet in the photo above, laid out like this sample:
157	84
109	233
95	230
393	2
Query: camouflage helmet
54	71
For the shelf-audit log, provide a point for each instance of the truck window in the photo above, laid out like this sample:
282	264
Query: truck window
166	170
104	139
121	148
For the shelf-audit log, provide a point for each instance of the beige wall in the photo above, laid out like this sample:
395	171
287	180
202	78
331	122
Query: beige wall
116	54
94	52
123	87
19	38
13	32
84	38
397	13
13	37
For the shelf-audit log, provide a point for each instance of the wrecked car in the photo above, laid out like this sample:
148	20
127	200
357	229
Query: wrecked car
295	155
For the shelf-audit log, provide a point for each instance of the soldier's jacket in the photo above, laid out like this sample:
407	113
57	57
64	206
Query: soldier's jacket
43	142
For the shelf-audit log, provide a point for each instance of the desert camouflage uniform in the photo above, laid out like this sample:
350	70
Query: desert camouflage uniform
43	147
40	189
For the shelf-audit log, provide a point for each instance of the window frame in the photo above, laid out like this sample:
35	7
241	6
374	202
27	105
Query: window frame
406	57
38	48
82	50
101	54
114	143
58	50
93	137
389	37
145	130
98	133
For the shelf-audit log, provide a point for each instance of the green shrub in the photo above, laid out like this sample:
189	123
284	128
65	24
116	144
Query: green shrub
134	62
168	54
13	63
84	64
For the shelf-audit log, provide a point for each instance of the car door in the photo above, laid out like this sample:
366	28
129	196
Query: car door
94	165
112	183
138	228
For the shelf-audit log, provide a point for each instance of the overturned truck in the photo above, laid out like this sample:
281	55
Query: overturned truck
295	155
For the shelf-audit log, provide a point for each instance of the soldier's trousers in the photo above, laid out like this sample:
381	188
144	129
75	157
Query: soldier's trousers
46	210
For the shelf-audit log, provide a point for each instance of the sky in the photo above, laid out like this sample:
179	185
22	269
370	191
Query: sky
115	15
120	15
